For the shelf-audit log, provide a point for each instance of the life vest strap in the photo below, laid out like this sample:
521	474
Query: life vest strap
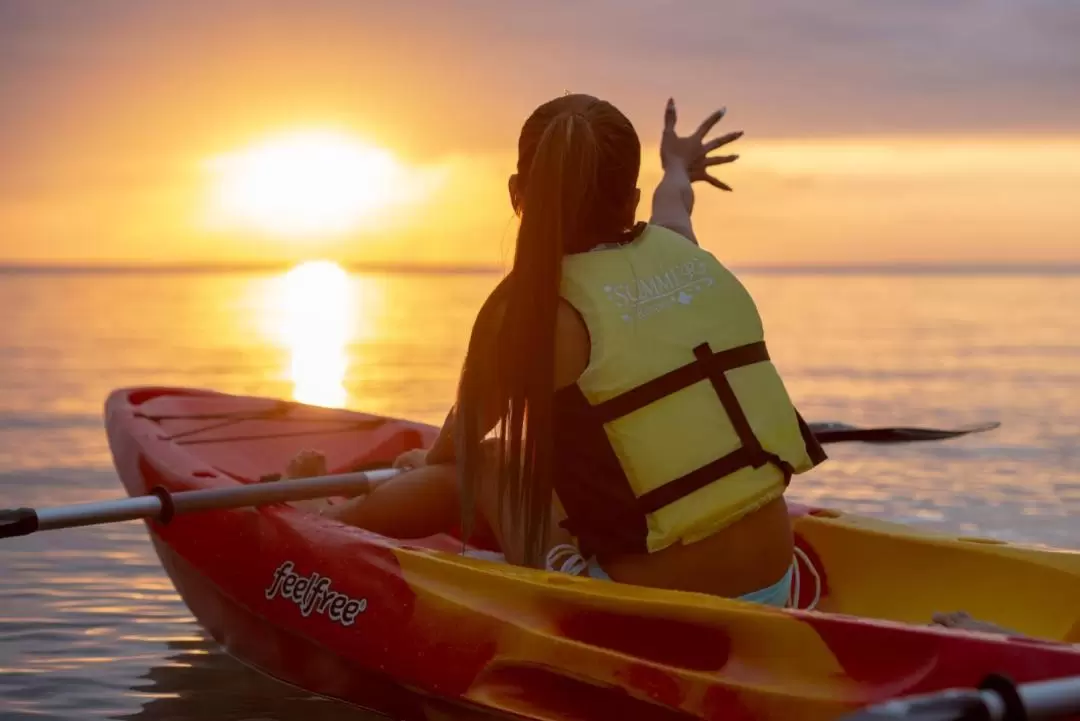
683	486
714	366
726	393
708	365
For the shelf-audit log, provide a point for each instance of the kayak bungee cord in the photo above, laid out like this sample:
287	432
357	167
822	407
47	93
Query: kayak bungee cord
277	413
356	426
796	582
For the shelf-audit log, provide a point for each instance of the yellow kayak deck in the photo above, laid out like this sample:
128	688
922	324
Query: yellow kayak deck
884	570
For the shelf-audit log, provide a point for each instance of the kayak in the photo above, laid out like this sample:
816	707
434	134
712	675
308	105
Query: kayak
387	623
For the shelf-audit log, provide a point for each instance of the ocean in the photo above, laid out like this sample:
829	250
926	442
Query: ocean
90	626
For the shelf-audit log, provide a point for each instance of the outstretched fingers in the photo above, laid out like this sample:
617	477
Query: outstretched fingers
720	160
709	122
716	183
722	141
669	115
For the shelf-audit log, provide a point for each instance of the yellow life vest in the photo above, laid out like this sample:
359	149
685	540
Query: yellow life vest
681	382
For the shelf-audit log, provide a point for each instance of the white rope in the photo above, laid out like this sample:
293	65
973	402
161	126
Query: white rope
796	582
572	564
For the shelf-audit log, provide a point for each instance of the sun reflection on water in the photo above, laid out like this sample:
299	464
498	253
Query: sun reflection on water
318	321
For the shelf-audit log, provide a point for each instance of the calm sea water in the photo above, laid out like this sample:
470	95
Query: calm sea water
90	627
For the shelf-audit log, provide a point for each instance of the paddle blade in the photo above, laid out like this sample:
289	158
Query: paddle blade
841	432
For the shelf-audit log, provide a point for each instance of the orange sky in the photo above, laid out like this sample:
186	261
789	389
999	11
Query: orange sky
883	135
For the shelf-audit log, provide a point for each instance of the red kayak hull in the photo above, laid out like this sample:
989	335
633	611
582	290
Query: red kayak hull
389	624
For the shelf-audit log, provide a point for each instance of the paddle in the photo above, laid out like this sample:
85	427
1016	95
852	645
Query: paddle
841	432
996	699
162	505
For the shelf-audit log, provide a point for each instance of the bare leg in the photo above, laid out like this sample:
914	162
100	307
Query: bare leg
426	501
501	519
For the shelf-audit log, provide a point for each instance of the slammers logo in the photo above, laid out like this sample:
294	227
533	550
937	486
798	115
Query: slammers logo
674	287
312	594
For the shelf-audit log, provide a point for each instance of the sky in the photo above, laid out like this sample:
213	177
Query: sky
922	131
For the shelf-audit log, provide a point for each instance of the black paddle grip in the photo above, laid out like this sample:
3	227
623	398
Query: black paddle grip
17	522
952	705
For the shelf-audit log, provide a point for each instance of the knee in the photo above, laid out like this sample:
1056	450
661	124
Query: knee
491	445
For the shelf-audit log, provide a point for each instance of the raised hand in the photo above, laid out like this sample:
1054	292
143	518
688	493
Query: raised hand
692	152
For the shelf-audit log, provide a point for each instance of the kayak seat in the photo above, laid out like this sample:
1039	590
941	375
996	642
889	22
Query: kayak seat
889	571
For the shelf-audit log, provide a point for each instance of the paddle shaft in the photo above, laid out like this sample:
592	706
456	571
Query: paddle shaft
997	700
162	505
1052	699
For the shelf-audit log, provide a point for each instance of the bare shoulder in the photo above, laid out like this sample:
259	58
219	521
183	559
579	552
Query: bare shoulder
493	310
572	345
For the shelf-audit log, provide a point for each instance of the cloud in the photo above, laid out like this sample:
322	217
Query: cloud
121	99
788	67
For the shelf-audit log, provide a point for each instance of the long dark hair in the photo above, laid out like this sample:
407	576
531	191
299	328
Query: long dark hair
578	164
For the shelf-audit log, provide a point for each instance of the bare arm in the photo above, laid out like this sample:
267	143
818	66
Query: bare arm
673	202
686	160
442	450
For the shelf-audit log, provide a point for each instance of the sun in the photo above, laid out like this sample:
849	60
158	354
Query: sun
304	183
317	325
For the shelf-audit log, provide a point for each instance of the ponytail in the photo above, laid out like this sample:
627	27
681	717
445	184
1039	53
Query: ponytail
556	198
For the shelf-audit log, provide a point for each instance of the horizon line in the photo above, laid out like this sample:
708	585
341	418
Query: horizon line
899	268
